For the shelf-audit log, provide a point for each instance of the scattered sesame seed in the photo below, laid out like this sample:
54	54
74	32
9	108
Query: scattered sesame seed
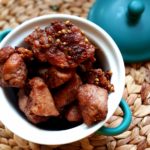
69	31
86	40
96	79
59	32
47	45
50	39
69	57
63	31
67	22
112	88
58	40
97	83
82	32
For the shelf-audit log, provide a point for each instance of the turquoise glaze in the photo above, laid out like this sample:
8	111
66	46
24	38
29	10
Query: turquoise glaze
128	23
4	33
123	126
104	130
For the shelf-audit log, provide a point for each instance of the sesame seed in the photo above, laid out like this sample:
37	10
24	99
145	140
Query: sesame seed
96	83
63	31
82	32
69	31
112	88
96	79
67	22
47	45
86	40
59	32
58	40
49	38
69	57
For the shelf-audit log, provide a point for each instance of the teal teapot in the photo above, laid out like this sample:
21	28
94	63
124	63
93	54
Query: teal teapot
128	23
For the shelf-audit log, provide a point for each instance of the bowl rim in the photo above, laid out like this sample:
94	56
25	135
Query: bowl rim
64	134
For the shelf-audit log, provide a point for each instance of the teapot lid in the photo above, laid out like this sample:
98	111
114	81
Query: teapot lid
128	23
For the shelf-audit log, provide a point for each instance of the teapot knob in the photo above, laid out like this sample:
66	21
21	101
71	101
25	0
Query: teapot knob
135	8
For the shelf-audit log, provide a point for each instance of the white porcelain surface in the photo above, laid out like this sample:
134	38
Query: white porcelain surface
110	58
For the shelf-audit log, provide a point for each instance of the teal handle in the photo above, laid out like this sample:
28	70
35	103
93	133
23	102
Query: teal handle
123	126
4	33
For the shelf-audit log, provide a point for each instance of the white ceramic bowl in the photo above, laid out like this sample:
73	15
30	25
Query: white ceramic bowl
109	57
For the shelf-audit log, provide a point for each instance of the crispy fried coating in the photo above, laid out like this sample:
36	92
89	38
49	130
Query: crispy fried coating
62	44
100	78
55	77
42	103
68	93
13	72
93	103
24	105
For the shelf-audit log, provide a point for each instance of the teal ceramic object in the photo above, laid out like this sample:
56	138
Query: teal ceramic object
4	33
128	23
104	130
123	126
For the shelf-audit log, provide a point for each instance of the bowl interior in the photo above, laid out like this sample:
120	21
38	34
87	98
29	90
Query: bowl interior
109	58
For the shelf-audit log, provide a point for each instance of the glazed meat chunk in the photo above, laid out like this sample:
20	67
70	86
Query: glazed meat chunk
55	77
5	53
61	44
93	103
38	40
87	65
42	103
24	105
73	114
100	78
68	93
14	71
24	53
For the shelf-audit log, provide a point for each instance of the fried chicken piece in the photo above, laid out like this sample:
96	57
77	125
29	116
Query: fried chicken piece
62	44
24	105
13	72
100	78
55	77
58	76
42	103
24	53
73	114
68	93
93	103
5	53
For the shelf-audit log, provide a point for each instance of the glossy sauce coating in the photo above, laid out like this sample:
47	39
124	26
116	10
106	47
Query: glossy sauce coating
62	44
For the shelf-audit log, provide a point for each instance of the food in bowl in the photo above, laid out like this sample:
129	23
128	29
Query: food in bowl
57	76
